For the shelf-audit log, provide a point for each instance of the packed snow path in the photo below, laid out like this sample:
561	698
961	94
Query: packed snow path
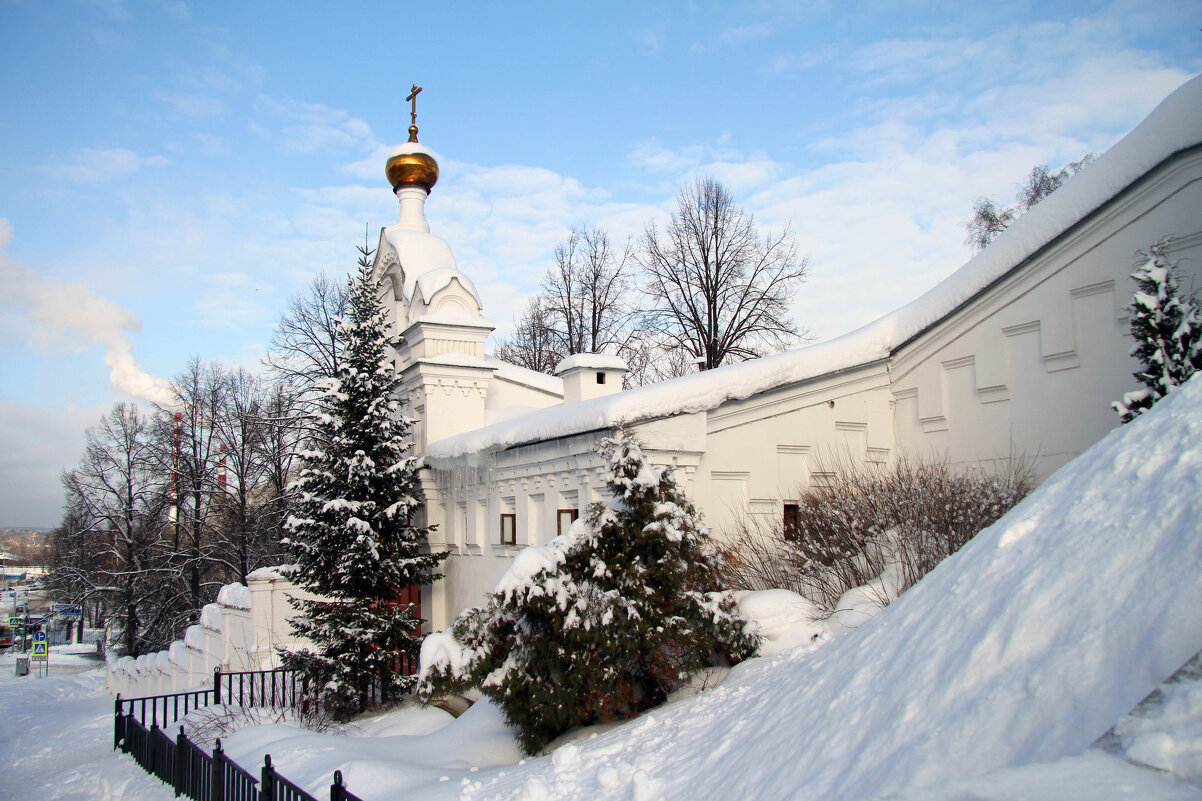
1024	647
56	738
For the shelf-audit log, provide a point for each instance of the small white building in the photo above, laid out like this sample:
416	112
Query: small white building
1021	351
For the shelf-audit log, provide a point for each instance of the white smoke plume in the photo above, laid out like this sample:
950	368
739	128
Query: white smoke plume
69	310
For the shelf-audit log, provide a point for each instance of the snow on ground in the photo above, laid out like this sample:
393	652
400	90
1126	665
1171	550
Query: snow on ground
988	681
56	736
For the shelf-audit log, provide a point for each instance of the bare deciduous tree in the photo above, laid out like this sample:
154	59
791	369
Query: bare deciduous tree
304	345
118	496
247	537
531	345
200	399
585	293
715	287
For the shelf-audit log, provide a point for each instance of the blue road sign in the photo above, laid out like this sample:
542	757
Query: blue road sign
39	636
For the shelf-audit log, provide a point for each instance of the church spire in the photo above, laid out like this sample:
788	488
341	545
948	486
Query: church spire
412	98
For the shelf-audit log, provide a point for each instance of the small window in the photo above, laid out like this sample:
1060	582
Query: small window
509	528
600	378
792	522
564	520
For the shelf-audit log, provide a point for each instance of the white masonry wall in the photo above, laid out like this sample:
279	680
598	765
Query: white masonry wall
237	633
1031	366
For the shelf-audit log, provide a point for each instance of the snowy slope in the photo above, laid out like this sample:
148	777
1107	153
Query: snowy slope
1024	647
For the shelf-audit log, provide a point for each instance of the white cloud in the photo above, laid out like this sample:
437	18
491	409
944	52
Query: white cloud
738	34
307	127
92	165
192	104
66	314
177	10
114	9
231	299
650	38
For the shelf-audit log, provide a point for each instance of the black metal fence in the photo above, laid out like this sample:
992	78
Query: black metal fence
138	731
274	689
195	774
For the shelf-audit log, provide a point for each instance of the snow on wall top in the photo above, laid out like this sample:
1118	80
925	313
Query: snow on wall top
1174	125
273	572
194	638
211	618
236	596
592	361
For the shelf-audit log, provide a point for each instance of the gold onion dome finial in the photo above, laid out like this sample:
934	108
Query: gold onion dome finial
412	164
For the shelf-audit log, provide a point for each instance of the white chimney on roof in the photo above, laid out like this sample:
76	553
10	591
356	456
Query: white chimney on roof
590	375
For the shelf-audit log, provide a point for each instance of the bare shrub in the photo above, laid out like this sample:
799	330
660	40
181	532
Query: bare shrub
861	519
205	725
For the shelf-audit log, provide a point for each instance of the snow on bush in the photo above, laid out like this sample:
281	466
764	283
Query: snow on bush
1167	329
602	622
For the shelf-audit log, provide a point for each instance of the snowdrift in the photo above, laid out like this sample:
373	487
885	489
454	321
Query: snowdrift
1024	647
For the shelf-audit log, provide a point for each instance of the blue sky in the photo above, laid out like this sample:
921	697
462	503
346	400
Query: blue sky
171	172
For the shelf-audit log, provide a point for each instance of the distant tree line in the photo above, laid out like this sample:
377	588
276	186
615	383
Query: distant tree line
706	289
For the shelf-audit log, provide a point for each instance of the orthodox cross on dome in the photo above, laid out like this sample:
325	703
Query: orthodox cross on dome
412	98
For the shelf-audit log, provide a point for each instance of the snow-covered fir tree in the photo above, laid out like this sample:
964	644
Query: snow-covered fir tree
1167	329
350	534
602	622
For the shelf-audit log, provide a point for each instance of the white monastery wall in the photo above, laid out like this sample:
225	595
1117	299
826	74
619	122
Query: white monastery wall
760	451
237	633
533	484
505	394
1031	366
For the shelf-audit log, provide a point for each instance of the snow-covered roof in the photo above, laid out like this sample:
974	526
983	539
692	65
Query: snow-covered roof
526	377
426	261
1175	125
431	282
591	361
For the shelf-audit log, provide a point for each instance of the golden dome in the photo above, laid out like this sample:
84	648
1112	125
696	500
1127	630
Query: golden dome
412	167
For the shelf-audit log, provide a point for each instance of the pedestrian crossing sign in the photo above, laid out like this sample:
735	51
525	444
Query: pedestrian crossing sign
39	652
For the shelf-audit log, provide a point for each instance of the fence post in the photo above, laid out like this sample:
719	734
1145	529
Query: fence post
217	788
337	791
151	742
118	724
267	785
216	686
181	762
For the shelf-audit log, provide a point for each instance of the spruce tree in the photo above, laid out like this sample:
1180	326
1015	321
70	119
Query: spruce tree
604	621
1167	329
350	533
